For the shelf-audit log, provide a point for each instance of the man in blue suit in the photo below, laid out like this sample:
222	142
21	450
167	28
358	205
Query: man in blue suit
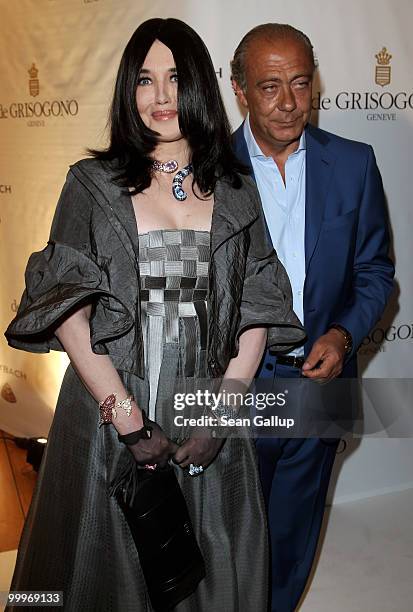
323	201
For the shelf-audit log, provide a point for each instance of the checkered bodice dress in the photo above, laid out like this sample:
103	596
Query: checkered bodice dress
173	268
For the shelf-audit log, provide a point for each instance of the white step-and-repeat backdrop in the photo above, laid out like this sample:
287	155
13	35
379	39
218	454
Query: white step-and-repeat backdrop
57	66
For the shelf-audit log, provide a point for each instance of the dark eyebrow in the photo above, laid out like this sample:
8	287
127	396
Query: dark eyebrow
269	80
277	80
305	75
146	71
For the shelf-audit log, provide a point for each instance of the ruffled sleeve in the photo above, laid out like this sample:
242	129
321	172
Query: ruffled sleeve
267	297
63	276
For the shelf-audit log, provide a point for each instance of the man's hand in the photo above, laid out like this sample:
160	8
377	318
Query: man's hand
326	358
199	451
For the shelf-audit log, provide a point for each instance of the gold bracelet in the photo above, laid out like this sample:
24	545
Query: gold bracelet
348	339
108	406
126	405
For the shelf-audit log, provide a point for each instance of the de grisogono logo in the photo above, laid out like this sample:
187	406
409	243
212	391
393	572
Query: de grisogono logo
34	85
381	105
380	337
383	68
37	112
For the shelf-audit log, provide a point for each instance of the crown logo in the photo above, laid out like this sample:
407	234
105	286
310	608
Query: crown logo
7	393
383	58
33	72
383	69
34	86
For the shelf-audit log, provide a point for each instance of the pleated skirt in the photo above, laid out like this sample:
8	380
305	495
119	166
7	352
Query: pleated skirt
76	540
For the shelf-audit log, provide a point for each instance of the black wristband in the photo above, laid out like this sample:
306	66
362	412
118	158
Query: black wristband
145	433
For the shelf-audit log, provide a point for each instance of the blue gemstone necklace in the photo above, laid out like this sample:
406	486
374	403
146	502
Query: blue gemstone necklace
172	166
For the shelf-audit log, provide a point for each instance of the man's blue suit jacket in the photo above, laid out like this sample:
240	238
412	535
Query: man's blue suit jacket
349	276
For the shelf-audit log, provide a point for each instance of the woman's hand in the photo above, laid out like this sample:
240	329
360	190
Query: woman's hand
157	450
199	451
202	449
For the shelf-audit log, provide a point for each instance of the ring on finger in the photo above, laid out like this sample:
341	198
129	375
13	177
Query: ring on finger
195	470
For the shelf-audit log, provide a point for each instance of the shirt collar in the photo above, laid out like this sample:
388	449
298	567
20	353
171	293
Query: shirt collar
252	145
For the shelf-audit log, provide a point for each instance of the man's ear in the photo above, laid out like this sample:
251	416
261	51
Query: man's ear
239	93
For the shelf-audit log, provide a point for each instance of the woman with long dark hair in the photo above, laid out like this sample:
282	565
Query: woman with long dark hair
157	272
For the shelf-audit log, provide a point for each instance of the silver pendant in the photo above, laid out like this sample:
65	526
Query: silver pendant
177	190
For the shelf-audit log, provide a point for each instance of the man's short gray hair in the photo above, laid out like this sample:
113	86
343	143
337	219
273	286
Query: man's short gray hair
270	32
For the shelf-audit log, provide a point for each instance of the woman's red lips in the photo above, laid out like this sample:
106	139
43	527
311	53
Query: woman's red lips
164	115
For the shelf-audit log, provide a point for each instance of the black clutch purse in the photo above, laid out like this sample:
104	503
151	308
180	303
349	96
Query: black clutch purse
158	518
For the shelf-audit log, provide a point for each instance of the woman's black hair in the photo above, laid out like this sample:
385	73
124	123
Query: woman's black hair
202	118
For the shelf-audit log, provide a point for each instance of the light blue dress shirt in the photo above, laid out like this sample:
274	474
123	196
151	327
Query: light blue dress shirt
284	210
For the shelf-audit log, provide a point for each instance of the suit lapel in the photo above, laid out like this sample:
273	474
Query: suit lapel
319	170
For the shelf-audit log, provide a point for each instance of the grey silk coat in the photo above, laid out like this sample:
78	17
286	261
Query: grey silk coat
93	255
